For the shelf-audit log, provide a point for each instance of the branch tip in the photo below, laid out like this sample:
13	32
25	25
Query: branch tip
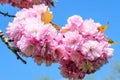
15	50
6	14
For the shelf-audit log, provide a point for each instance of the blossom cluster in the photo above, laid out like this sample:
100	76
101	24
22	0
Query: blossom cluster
86	48
79	47
32	36
26	3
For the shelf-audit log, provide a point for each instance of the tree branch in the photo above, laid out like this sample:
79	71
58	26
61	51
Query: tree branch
12	48
6	14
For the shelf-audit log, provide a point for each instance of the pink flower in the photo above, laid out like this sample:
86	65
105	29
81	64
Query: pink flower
74	22
27	21
80	48
41	45
72	40
84	47
89	27
71	43
26	47
33	28
93	50
15	30
108	52
60	53
46	45
34	38
70	70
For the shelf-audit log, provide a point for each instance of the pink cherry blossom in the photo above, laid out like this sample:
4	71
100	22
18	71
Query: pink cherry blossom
26	47
40	44
80	48
92	49
72	41
70	70
22	22
89	27
74	22
85	47
34	38
47	44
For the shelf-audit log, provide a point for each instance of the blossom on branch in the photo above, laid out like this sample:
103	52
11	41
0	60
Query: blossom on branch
32	35
27	3
80	47
87	48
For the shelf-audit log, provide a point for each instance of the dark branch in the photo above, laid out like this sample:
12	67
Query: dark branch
13	49
6	14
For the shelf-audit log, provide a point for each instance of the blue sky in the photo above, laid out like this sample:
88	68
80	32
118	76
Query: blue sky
102	11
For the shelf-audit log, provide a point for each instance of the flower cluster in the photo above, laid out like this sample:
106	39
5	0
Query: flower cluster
86	48
32	36
26	3
79	47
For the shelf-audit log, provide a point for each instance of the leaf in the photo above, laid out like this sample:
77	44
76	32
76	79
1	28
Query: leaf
55	26
47	17
110	41
103	28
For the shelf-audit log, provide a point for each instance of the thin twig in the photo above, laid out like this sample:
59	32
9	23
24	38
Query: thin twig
13	49
6	14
